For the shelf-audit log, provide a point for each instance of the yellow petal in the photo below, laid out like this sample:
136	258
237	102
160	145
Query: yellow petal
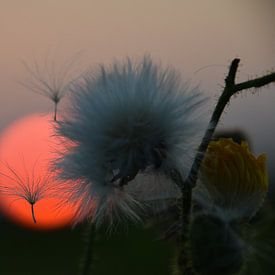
234	177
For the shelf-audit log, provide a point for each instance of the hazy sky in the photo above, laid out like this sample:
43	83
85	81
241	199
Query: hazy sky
187	34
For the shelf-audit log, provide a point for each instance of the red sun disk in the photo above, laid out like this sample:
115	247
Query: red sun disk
28	147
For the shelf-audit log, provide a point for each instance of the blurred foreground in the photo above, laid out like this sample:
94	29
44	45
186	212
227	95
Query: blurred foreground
59	252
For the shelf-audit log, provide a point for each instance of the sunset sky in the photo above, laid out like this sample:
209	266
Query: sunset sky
186	34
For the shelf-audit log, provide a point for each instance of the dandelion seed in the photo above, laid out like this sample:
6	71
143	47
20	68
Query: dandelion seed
29	187
126	121
49	81
236	180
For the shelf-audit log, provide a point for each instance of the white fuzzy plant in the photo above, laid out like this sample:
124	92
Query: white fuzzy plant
125	121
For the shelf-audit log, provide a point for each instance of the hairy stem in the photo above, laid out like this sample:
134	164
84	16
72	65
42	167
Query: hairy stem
230	89
89	249
222	102
184	262
33	214
255	83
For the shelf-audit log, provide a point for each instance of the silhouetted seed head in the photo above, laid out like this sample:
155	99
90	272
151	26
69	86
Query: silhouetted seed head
127	120
50	81
29	187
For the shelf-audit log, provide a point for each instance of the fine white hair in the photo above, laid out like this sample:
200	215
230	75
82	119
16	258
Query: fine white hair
126	121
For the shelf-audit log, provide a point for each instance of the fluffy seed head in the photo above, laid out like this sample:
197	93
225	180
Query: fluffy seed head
125	120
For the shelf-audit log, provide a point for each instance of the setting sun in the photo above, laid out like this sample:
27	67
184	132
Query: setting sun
27	148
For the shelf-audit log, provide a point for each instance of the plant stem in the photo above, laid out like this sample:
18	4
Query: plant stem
89	249
222	102
33	215
184	257
55	111
184	261
230	89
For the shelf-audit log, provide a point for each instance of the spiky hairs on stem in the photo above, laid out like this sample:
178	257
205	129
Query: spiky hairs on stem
124	120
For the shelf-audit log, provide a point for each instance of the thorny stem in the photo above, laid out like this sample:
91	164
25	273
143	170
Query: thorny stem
184	260
88	254
33	215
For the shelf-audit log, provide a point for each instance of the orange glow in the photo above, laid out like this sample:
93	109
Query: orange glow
28	146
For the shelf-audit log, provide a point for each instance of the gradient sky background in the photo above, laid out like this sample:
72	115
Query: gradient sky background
187	34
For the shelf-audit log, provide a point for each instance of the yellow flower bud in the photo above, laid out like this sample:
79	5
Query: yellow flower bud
235	179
